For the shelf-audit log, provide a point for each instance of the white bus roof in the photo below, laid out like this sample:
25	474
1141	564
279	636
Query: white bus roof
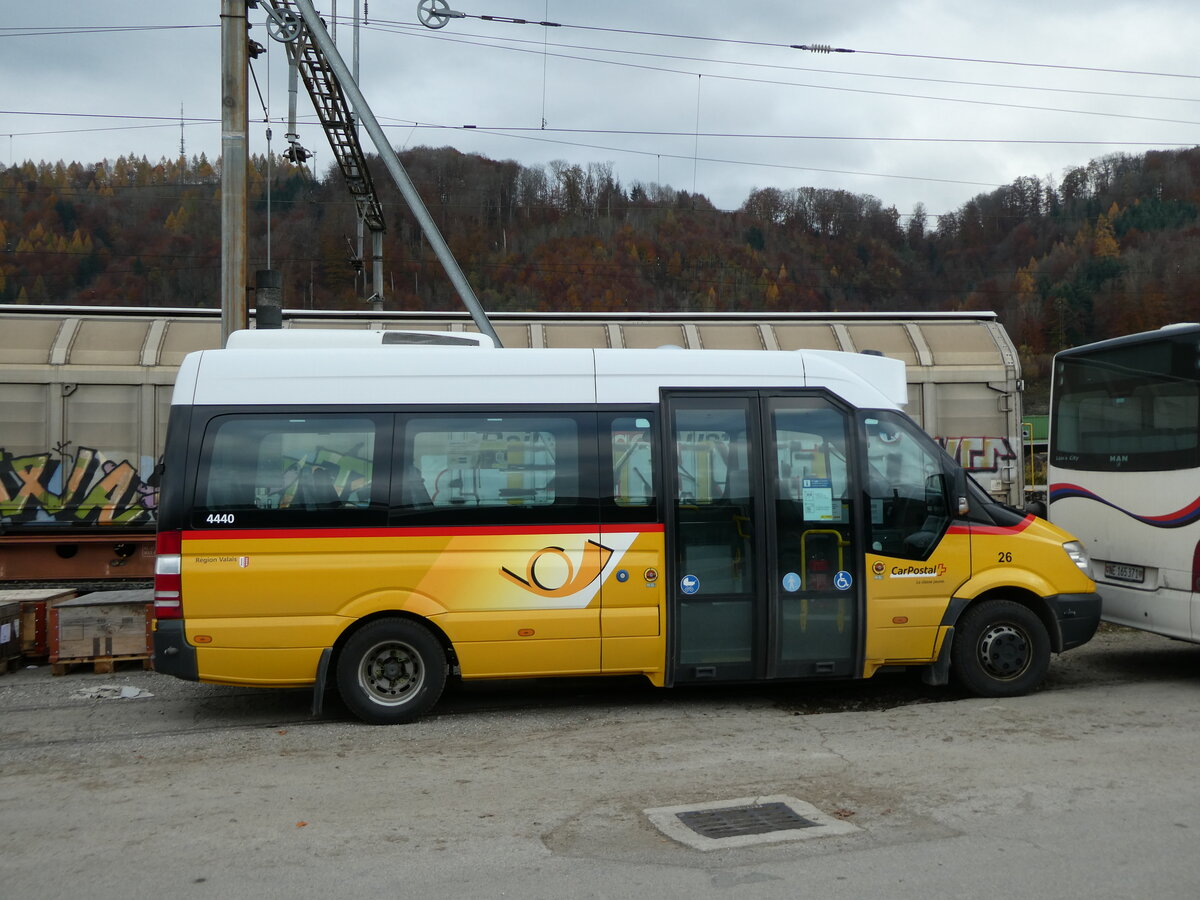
1141	337
331	338
263	371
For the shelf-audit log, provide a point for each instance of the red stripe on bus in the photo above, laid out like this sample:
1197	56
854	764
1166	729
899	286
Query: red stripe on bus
992	529
400	531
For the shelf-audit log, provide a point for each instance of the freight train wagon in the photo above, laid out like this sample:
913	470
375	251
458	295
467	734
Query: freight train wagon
85	392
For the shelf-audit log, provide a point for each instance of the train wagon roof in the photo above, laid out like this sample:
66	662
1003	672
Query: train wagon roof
972	343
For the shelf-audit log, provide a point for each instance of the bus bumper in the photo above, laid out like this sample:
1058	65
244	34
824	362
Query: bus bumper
1078	617
173	655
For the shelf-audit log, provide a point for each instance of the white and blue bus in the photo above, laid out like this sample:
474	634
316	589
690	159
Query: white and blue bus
1124	472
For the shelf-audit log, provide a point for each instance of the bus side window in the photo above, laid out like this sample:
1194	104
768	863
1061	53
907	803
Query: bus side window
493	468
258	469
632	462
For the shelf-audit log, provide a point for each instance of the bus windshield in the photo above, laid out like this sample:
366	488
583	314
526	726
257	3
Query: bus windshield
1132	408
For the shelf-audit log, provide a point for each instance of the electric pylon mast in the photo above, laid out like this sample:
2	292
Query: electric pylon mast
334	92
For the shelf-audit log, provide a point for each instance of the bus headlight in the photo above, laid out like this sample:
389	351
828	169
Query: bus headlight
1079	556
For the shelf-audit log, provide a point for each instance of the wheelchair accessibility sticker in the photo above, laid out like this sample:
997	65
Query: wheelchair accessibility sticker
843	580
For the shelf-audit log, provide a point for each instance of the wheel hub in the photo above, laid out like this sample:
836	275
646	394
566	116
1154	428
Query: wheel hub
391	670
391	674
1004	651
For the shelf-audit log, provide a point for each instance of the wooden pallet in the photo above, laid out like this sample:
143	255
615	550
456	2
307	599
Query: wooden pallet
101	665
100	626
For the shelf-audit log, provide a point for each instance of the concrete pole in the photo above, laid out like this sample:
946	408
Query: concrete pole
235	128
396	169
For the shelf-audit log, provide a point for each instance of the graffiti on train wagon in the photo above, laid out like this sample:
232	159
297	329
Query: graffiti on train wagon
84	489
979	454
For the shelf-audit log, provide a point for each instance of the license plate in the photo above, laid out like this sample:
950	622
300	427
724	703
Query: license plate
1122	572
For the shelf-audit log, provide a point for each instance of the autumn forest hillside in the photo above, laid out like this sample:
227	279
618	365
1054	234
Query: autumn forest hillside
1113	247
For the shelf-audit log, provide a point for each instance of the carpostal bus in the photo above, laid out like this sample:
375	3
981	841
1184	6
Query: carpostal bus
1124	472
362	509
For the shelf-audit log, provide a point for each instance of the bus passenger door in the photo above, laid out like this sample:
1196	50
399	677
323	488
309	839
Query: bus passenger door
715	579
814	584
765	576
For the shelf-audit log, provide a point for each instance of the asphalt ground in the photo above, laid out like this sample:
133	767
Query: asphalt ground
136	785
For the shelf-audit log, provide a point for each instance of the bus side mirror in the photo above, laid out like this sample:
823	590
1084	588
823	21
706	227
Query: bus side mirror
964	506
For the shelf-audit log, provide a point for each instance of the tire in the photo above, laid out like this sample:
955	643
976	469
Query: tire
1001	649
391	671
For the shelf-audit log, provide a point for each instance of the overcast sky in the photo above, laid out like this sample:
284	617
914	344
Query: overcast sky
941	100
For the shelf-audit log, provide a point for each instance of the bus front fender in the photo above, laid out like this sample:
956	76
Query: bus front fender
1070	618
1008	578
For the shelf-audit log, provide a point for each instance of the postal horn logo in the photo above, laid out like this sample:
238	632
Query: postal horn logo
551	574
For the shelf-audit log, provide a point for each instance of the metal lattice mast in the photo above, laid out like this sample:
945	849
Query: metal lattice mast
316	53
333	111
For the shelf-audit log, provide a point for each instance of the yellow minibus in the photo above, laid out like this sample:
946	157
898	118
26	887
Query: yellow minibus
382	510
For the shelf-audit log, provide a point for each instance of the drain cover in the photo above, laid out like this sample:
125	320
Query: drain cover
732	821
745	822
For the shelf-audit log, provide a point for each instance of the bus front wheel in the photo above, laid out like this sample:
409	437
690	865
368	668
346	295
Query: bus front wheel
1001	649
391	671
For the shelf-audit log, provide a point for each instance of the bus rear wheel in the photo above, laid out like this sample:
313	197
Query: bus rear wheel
391	671
1001	649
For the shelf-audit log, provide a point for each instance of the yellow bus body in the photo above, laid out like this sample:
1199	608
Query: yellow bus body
307	590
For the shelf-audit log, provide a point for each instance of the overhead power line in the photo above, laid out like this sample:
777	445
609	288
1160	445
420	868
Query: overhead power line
174	122
43	31
706	159
821	87
814	137
488	40
817	48
536	134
